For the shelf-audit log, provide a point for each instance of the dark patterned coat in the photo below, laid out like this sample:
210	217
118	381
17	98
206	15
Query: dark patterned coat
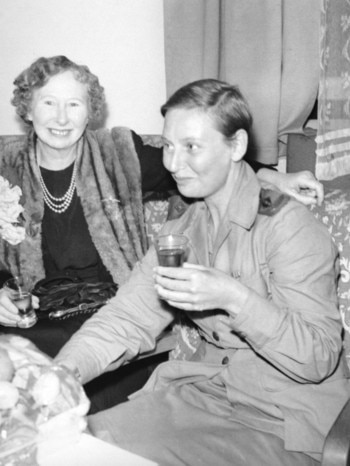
109	186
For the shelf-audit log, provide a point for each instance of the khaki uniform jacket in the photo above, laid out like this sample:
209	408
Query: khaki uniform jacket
283	365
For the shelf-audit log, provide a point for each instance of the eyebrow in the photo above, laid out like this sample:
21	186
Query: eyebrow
187	139
53	96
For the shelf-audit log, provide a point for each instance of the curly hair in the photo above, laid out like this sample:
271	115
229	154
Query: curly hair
39	73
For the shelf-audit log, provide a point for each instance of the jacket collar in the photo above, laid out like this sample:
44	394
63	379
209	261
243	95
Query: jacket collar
242	210
243	205
244	201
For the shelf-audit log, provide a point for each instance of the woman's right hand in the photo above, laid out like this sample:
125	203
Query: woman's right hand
8	311
194	287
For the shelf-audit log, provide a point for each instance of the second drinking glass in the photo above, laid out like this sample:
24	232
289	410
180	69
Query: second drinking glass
20	294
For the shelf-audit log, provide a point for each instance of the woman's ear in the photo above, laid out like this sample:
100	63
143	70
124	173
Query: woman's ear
239	144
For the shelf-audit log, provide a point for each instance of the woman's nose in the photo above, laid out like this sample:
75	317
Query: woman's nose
172	161
62	115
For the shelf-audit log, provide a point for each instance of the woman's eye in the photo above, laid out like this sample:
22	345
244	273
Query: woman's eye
74	104
192	147
166	146
48	102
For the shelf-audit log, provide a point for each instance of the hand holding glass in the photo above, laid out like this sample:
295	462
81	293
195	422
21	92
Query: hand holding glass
19	293
171	249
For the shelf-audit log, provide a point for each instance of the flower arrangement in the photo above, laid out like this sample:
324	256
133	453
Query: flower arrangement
10	210
43	406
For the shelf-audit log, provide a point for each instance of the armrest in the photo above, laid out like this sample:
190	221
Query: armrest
336	450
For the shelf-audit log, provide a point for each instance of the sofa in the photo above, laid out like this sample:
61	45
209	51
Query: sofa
335	214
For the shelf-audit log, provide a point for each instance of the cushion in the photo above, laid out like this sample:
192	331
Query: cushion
301	153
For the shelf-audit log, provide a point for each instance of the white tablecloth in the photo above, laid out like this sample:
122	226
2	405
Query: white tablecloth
90	451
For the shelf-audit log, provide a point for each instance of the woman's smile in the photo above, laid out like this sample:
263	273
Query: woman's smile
59	132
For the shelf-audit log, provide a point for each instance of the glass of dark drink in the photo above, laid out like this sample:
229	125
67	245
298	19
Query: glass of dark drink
171	249
20	294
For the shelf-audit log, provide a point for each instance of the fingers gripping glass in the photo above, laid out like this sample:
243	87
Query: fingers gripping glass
20	294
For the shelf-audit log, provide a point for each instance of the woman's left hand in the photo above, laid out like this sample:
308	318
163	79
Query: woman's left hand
197	288
303	185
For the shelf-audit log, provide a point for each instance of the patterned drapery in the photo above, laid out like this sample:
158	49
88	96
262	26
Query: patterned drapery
333	136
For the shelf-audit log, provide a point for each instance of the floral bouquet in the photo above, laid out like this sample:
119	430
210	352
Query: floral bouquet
43	406
10	209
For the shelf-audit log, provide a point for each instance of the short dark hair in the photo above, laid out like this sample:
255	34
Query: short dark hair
39	73
223	102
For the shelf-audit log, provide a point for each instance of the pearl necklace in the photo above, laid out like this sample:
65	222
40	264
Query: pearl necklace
59	204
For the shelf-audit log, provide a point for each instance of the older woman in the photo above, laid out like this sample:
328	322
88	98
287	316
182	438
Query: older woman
81	189
266	269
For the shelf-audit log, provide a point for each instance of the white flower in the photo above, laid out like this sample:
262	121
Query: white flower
10	209
12	234
46	389
8	395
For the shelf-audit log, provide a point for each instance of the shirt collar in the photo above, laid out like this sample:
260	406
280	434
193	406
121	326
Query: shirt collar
244	201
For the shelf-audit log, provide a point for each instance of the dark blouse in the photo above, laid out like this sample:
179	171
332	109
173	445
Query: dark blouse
67	246
66	242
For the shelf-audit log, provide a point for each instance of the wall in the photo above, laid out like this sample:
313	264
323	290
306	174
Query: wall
120	40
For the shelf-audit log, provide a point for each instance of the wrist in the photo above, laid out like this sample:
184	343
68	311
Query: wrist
72	369
77	375
270	177
237	300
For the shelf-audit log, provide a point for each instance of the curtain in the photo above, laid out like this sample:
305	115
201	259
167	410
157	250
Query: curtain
269	48
333	136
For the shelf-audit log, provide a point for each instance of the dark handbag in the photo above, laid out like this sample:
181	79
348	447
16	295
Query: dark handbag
64	297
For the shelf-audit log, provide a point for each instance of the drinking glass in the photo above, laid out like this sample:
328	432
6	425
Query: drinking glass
171	249
20	294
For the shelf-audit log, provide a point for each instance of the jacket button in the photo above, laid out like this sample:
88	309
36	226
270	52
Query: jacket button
216	336
225	360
